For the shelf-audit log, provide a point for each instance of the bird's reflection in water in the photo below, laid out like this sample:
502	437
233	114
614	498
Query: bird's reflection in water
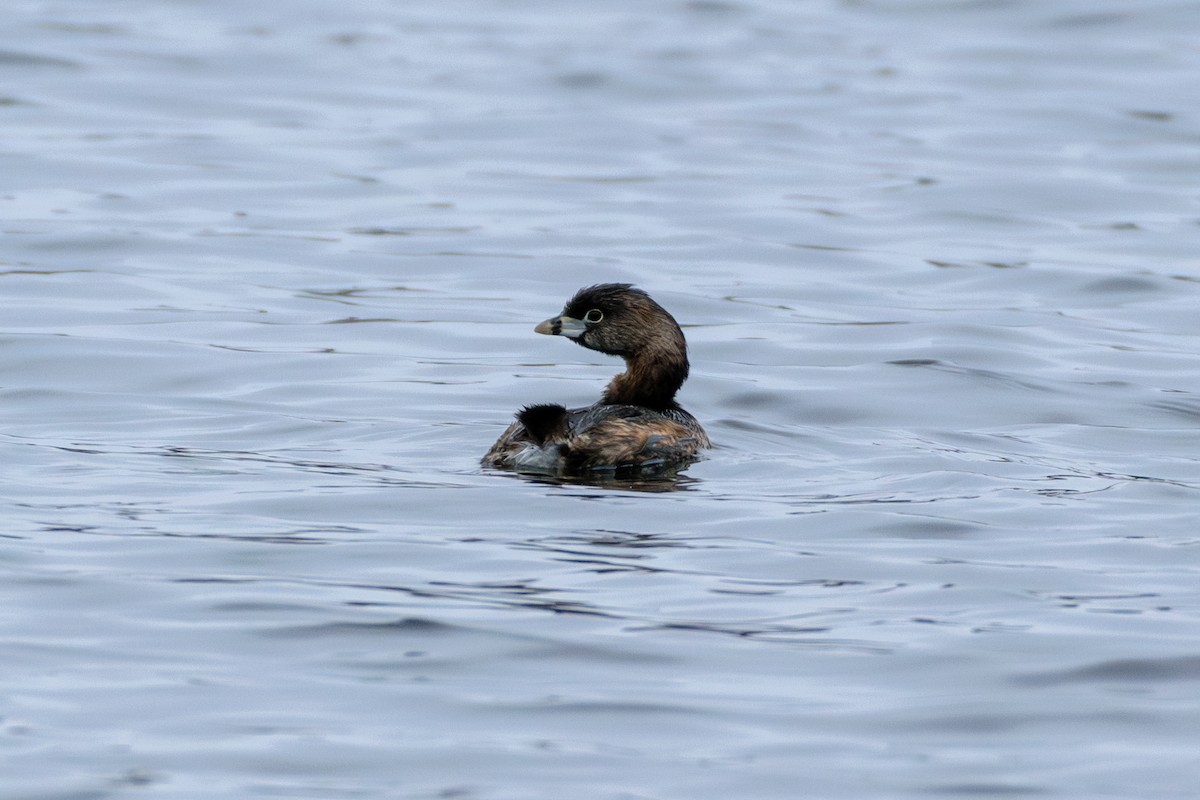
649	480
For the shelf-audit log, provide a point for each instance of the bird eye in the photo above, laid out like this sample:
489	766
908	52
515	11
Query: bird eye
593	316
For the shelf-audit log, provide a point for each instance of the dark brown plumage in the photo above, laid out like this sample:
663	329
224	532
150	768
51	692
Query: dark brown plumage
636	424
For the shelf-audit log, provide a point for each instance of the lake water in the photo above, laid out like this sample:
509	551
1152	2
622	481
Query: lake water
267	291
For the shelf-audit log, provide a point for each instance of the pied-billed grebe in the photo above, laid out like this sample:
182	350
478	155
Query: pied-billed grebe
636	424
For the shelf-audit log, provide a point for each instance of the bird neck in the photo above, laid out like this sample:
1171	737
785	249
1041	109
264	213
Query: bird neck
651	378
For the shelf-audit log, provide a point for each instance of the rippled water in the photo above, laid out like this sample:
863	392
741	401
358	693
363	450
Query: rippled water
266	295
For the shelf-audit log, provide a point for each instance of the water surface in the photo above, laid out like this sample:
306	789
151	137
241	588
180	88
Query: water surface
267	295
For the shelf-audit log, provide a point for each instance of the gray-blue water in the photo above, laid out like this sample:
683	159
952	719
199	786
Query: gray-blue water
267	288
